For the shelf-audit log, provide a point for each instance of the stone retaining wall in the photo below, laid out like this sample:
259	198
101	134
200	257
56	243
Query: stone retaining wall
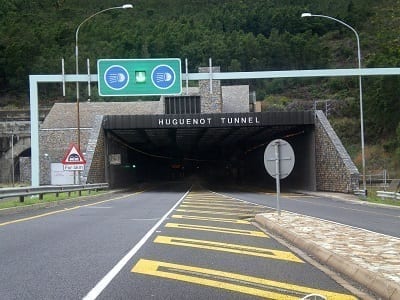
95	154
335	171
210	102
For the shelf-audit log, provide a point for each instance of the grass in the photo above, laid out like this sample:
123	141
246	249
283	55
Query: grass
46	198
372	197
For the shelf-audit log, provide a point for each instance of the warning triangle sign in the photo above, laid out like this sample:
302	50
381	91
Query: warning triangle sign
73	156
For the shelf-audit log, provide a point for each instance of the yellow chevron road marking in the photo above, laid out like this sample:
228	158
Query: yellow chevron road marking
224	208
230	281
215	199
217	229
206	196
231	248
211	200
188	217
214	212
230	204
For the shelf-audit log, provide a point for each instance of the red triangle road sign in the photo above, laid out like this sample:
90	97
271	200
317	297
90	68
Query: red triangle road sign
73	156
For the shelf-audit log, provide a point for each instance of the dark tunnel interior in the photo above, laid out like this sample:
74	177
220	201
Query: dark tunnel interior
213	155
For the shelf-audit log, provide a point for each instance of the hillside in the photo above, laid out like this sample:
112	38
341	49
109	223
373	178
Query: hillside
240	35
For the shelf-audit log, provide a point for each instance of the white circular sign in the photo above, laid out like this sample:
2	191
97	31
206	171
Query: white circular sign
282	151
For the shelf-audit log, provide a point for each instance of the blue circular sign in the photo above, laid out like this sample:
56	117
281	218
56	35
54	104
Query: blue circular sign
163	77
116	77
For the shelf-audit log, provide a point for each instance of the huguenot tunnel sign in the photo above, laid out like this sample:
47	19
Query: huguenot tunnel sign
206	121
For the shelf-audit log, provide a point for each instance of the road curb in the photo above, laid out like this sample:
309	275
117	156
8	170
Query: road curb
373	281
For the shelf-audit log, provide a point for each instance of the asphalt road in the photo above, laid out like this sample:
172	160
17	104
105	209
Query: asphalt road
61	254
155	244
381	219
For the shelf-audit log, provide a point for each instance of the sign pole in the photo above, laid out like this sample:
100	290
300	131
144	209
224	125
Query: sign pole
277	177
279	163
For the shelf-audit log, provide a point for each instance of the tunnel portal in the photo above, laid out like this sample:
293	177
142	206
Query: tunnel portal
215	148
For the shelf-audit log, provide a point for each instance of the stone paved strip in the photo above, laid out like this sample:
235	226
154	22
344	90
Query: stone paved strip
374	252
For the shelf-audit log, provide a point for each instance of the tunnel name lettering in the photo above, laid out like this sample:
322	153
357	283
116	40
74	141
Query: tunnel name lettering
240	120
173	122
184	121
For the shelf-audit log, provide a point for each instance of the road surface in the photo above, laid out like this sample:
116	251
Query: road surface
169	242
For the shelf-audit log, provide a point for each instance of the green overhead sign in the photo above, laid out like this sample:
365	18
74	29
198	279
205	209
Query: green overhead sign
139	77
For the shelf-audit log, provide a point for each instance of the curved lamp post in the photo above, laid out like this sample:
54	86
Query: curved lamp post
303	15
125	6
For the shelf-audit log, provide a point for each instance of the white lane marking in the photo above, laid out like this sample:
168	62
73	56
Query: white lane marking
105	281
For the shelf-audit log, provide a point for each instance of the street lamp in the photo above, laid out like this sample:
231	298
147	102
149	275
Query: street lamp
125	6
303	15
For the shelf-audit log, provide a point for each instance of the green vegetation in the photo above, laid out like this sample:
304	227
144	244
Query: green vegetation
372	197
375	199
239	35
46	198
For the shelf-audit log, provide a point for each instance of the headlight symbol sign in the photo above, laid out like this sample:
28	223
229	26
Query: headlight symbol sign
163	76
116	77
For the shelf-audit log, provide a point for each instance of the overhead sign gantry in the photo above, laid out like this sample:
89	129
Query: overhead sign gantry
34	81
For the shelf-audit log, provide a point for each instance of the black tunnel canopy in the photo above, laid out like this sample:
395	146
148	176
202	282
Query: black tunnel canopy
204	134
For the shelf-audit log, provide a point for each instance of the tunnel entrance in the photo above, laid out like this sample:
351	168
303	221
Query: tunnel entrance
216	148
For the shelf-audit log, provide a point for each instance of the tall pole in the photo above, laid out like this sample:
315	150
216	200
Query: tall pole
278	177
12	160
360	90
78	125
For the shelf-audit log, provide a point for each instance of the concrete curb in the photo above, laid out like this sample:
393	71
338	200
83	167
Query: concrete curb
373	281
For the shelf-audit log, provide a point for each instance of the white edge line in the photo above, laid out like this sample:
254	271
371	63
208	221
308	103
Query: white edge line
105	281
241	200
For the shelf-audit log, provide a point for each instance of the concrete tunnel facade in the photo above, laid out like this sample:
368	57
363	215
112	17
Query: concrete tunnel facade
207	134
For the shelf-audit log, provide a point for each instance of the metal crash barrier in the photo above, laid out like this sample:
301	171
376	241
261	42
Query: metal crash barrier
22	192
389	195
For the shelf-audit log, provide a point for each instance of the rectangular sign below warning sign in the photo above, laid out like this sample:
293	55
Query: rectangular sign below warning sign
74	167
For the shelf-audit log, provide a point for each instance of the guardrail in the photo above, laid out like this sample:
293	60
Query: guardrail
362	193
390	195
22	192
